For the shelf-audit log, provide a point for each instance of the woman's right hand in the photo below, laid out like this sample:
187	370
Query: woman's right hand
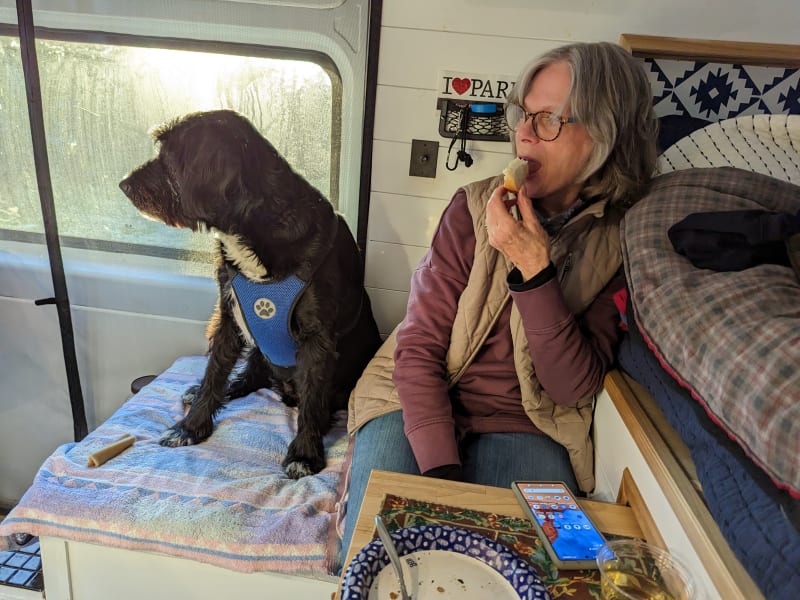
524	242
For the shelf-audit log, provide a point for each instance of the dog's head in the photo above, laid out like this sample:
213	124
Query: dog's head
212	168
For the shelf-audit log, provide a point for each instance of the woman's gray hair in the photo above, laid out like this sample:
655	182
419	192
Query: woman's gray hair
611	97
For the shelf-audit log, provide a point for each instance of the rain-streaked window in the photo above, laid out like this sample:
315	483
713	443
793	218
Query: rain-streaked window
100	101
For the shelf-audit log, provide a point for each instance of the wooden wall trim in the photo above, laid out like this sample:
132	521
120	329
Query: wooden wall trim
671	437
721	51
724	569
630	495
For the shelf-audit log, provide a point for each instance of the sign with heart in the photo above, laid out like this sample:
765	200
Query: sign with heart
474	86
461	84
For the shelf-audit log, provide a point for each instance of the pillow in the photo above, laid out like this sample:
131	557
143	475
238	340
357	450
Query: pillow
672	128
766	144
731	338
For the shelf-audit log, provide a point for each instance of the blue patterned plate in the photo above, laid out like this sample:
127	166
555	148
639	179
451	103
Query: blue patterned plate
440	561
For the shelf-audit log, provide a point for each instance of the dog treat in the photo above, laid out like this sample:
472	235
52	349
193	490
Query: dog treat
515	174
108	452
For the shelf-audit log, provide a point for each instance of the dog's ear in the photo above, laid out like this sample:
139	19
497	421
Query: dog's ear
207	153
223	166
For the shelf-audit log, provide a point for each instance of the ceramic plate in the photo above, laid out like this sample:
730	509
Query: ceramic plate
441	562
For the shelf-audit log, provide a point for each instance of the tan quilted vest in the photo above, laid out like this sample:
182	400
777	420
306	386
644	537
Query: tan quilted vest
583	273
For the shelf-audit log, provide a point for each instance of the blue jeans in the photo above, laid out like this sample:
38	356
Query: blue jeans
494	459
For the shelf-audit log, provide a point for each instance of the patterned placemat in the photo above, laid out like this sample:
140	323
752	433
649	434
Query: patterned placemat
517	534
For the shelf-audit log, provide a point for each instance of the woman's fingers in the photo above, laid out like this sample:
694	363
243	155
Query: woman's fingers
497	210
525	207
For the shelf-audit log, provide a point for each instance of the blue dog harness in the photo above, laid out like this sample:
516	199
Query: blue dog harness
267	309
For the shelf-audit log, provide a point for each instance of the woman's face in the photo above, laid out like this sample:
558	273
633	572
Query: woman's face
553	166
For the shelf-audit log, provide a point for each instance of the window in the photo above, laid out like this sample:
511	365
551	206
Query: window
101	99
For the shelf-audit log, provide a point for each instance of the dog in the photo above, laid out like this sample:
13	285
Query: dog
291	300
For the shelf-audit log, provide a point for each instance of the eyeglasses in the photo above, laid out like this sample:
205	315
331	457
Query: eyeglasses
546	125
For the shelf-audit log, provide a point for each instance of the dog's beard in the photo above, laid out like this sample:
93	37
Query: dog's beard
152	217
198	227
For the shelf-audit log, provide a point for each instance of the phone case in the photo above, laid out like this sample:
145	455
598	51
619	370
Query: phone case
564	523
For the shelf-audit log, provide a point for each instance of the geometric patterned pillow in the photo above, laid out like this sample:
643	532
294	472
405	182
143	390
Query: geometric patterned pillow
688	94
717	91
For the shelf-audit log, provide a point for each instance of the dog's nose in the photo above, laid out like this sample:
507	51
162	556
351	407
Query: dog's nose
125	186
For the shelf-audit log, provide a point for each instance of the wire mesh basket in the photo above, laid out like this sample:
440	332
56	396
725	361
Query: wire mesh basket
486	120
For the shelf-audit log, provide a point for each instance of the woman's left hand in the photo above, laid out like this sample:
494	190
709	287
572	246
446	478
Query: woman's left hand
525	243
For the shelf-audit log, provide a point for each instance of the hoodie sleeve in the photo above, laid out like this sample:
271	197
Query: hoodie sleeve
423	339
571	354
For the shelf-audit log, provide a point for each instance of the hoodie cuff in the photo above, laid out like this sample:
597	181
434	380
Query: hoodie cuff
434	445
542	307
515	283
451	472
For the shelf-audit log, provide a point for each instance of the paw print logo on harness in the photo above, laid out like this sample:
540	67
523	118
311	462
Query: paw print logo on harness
267	309
264	308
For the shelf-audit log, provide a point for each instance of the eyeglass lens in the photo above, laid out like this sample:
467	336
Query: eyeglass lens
545	126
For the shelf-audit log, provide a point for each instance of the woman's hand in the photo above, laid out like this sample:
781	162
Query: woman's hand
525	243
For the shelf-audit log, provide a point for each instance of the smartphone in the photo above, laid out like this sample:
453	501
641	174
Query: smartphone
571	539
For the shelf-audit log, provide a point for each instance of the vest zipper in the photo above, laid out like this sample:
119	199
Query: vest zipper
566	269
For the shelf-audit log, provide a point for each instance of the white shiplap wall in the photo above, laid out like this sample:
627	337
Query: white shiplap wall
421	38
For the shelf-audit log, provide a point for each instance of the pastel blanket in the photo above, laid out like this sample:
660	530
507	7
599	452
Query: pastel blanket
225	502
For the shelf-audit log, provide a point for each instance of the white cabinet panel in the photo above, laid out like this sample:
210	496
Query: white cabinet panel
389	266
583	19
403	114
401	219
389	308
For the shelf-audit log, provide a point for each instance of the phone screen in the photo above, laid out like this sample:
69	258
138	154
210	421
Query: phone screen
569	531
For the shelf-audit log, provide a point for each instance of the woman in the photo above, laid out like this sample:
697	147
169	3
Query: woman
511	324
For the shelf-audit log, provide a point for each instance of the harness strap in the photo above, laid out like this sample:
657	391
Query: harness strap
267	309
268	306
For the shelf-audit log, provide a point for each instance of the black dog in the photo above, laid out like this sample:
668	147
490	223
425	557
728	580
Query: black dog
290	276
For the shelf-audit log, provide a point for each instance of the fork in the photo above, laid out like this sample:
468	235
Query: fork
388	544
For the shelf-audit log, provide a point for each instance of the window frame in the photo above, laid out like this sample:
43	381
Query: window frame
191	45
341	39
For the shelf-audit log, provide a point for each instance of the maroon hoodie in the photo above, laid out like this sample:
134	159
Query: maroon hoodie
570	354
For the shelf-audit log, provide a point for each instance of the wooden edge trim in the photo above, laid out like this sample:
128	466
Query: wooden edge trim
629	494
676	444
721	51
724	569
616	519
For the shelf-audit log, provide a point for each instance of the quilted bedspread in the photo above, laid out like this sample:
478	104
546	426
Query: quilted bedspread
731	338
225	502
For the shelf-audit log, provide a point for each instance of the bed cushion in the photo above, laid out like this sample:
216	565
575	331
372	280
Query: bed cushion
226	501
731	338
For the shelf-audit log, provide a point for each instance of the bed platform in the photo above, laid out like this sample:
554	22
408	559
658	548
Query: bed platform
198	520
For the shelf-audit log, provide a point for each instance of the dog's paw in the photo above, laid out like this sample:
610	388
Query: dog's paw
189	395
287	391
295	465
180	435
298	469
175	437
